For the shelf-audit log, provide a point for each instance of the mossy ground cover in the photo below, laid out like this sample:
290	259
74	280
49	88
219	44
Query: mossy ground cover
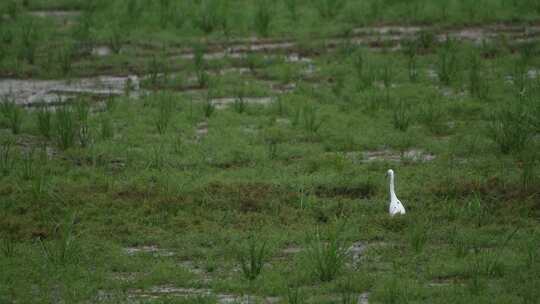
249	172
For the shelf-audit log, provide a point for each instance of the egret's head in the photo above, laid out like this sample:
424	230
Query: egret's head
390	173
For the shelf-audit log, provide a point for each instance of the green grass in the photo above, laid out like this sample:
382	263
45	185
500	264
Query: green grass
327	257
252	258
6	157
108	198
65	127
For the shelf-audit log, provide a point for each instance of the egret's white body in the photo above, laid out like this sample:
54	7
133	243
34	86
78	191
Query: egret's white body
395	205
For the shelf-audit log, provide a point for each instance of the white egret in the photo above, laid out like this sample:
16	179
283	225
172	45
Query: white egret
395	205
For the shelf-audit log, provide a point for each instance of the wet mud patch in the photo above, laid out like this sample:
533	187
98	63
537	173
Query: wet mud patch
470	33
381	37
60	16
223	102
362	298
231	164
216	55
492	190
387	30
25	143
412	155
247	197
356	251
99	159
292	250
361	191
451	92
32	92
151	250
192	267
158	292
125	276
201	130
64	18
101	51
445	281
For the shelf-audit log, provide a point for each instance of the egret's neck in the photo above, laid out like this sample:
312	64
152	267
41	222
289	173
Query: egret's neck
392	191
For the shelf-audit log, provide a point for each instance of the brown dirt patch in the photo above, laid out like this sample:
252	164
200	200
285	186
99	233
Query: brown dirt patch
246	197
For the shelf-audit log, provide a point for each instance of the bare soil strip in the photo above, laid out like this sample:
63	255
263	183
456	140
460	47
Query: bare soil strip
29	92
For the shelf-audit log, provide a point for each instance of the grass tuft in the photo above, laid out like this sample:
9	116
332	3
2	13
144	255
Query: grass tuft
419	236
107	127
13	113
8	246
65	127
509	128
447	64
252	257
82	111
263	17
28	165
329	9
64	248
44	118
6	160
401	116
166	106
311	118
327	255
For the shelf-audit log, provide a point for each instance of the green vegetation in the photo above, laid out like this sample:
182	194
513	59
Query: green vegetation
252	258
65	127
243	158
327	257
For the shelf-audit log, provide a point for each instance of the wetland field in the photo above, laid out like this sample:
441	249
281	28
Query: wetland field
235	151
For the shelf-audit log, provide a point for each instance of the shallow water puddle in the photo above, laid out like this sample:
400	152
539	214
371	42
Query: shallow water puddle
432	74
225	71
55	14
125	276
292	250
466	33
389	155
379	37
101	51
223	102
213	55
283	121
167	291
202	130
28	92
241	53
384	30
445	282
415	155
192	267
262	47
241	50
66	18
356	250
363	298
533	74
153	250
451	93
294	57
